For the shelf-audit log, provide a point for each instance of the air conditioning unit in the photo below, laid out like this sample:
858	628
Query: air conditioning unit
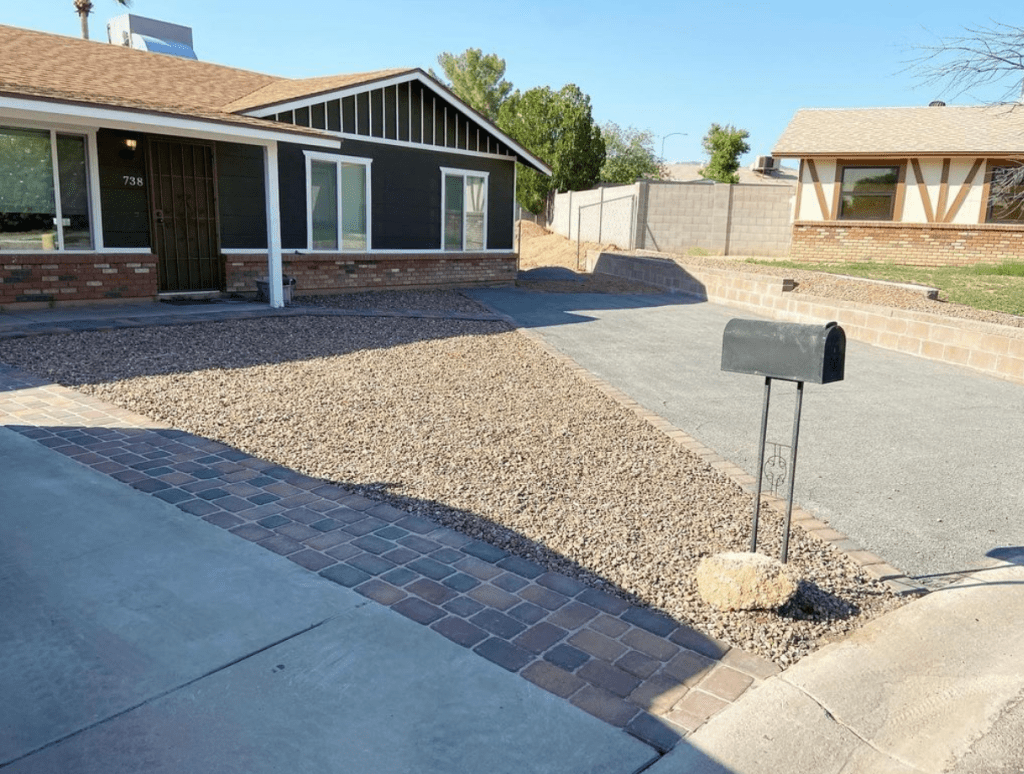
764	164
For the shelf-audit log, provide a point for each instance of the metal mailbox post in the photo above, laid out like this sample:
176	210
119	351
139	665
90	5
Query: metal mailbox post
792	352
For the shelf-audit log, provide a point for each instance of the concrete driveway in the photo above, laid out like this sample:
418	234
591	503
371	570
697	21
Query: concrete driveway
921	463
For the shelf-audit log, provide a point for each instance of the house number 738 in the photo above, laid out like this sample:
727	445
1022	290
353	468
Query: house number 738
133	181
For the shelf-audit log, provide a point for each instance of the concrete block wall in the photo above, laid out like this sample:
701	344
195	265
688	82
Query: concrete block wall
685	215
932	244
995	350
762	220
677	217
35	278
335	273
606	215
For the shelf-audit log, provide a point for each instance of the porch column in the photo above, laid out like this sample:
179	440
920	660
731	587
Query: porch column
270	180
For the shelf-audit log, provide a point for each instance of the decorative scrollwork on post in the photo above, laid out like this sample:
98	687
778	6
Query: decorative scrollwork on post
776	467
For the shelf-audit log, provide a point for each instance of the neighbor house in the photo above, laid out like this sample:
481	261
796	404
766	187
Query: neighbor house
909	185
129	174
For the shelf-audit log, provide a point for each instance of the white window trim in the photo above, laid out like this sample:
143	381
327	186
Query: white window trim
337	160
463	173
92	183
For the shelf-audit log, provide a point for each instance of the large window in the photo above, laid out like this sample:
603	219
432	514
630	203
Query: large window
44	193
1006	195
338	208
464	195
868	193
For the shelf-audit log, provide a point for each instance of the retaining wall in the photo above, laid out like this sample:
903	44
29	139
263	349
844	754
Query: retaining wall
996	350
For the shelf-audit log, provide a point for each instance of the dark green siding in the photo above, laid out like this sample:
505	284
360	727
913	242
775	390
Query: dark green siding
241	196
123	201
405	195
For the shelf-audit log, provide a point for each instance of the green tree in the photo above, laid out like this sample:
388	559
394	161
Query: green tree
84	7
558	127
478	79
724	146
629	155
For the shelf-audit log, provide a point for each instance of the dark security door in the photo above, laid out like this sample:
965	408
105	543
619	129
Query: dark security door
184	213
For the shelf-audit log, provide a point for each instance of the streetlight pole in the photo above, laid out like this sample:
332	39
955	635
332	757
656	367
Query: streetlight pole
665	137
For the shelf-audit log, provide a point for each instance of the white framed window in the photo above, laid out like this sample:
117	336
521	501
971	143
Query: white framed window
44	190
464	209
337	202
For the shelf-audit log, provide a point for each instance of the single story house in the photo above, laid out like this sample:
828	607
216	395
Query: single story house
911	185
129	174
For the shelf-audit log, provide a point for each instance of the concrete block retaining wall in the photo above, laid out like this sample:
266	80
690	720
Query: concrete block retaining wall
996	350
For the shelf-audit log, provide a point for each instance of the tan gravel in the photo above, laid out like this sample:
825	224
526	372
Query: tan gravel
476	427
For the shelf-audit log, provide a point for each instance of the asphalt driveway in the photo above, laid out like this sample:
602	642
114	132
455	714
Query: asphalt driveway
921	463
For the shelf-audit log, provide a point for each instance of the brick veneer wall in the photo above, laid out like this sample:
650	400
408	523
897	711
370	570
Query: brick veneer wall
925	244
319	273
69	276
996	350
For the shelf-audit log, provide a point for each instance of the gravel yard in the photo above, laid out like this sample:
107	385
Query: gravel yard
474	426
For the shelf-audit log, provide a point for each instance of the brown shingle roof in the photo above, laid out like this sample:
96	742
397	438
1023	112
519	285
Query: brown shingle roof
908	131
283	90
97	72
38	64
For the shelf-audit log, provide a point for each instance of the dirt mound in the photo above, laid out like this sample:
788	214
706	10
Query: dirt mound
542	248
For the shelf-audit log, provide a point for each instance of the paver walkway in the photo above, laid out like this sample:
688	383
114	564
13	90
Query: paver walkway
629	666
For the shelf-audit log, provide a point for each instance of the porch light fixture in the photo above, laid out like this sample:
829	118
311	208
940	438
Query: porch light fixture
131	144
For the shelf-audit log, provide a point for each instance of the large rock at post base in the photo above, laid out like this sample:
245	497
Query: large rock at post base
744	581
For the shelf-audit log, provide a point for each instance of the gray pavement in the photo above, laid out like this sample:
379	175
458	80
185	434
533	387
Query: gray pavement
136	637
921	463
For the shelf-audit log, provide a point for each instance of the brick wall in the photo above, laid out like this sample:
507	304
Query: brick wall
932	244
67	277
319	274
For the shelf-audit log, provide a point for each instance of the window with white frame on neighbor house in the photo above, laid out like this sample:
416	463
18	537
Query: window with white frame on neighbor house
868	192
464	226
44	191
1006	195
337	208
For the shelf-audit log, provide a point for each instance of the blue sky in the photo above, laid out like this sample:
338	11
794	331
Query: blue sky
671	66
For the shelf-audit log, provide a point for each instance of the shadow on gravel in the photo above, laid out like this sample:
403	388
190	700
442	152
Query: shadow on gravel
812	603
97	356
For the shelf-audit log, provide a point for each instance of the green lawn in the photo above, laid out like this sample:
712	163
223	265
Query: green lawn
999	288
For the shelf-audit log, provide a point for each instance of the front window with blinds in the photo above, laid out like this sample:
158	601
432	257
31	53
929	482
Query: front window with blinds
464	226
338	209
44	191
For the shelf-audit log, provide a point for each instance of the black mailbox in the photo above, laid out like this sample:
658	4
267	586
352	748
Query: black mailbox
791	351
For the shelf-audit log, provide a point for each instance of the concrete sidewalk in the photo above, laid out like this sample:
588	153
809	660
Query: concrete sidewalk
139	638
935	686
